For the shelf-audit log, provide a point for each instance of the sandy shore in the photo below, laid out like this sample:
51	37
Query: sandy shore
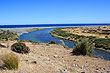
20	31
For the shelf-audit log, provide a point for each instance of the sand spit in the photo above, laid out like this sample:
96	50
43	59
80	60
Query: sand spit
20	31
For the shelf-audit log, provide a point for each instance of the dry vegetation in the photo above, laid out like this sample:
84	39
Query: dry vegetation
9	59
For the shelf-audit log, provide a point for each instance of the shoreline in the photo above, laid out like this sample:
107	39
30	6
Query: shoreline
23	30
60	33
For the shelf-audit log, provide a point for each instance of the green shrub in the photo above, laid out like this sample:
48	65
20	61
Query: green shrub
8	35
20	48
102	43
10	60
83	48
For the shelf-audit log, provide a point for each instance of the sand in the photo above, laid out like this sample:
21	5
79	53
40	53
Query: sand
52	58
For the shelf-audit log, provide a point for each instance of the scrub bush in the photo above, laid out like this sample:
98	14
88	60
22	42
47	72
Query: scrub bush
83	48
20	48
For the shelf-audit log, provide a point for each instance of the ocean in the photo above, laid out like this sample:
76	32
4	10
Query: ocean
48	25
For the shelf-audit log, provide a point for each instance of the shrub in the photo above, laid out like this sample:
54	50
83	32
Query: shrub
83	48
53	42
20	48
10	60
8	35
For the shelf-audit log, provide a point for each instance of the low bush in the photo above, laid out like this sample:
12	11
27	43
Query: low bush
20	48
53	42
102	43
10	60
8	35
83	48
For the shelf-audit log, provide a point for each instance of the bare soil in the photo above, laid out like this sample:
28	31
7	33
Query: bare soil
52	58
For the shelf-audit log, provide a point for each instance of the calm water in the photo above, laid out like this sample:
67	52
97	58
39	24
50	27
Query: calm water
50	25
43	36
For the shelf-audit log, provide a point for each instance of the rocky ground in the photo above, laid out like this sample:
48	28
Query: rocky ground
100	32
53	58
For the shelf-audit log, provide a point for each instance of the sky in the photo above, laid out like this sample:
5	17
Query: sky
54	11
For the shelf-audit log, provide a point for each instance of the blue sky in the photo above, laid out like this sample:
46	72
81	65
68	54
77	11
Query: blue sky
54	11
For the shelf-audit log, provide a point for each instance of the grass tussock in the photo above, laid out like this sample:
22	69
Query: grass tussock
83	48
11	60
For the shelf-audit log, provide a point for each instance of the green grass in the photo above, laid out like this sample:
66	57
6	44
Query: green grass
11	60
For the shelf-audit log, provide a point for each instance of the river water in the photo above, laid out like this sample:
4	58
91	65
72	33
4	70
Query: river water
43	36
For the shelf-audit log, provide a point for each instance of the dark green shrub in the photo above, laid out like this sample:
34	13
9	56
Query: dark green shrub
83	48
53	42
20	48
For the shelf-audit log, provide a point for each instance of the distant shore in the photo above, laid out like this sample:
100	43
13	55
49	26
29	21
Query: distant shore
20	31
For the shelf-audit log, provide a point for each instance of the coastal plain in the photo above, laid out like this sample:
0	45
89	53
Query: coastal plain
53	58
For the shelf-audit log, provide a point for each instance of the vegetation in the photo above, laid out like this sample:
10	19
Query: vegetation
20	48
63	43
8	35
69	36
83	48
21	41
103	43
11	60
53	42
34	29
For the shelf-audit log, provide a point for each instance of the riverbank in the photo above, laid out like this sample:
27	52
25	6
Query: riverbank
99	37
53	58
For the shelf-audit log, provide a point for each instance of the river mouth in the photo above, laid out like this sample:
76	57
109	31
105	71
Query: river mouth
43	36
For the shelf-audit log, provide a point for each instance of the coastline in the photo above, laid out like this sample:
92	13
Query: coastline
52	58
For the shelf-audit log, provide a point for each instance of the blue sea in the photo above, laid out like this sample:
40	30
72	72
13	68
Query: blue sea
49	25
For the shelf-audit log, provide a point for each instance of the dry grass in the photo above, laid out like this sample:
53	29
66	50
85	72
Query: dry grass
11	60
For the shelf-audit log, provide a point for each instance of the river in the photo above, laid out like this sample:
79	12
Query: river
43	36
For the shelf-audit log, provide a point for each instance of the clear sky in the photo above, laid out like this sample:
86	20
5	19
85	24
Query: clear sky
54	11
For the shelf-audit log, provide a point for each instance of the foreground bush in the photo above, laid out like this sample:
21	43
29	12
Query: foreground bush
83	48
10	60
20	48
